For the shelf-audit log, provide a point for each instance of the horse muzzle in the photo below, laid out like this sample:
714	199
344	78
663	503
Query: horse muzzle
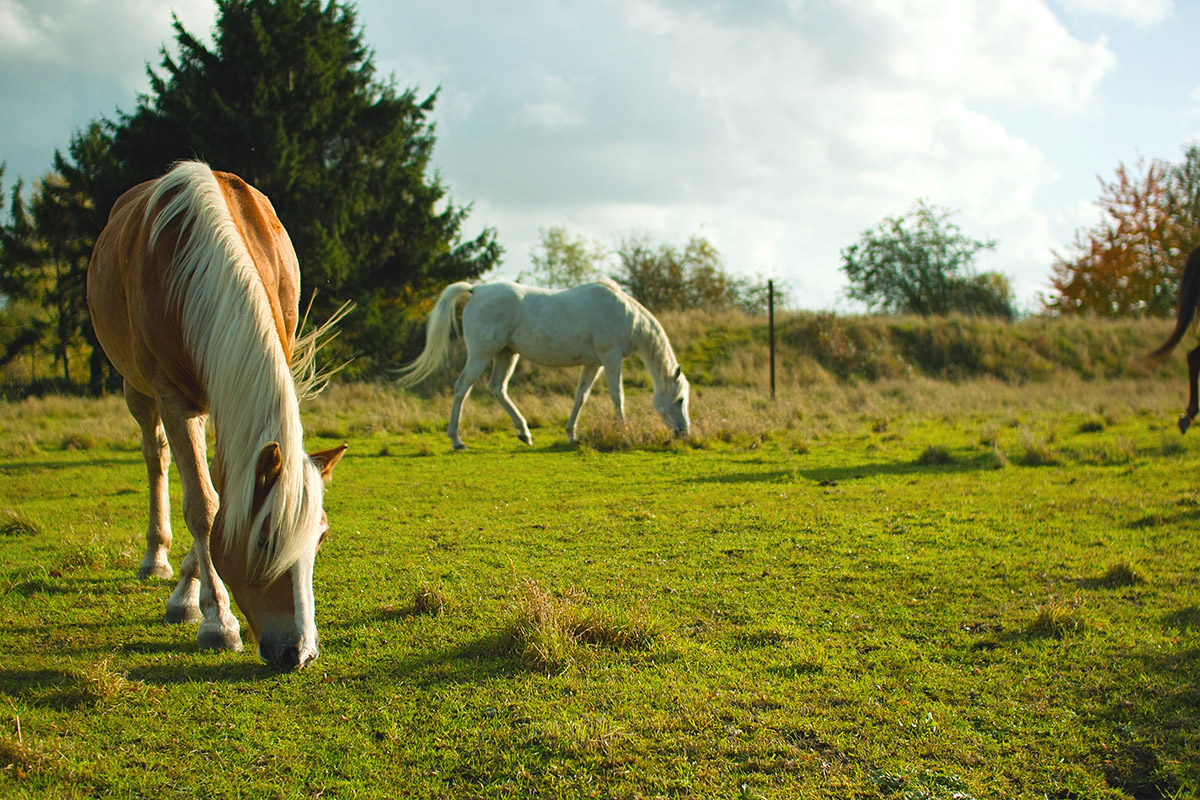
287	656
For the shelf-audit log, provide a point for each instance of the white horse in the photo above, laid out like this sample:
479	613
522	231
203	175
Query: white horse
595	325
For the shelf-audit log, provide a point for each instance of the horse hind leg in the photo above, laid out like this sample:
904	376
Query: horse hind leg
587	379
612	371
184	603
503	364
1193	407
156	561
462	389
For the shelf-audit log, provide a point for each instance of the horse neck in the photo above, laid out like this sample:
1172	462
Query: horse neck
652	345
252	404
251	407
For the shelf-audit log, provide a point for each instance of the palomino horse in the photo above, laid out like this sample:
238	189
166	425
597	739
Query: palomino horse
193	290
1189	295
595	325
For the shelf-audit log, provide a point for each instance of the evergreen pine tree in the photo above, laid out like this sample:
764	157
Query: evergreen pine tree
287	98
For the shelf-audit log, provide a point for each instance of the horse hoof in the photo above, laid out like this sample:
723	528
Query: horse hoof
1185	422
219	639
182	615
526	439
459	446
147	571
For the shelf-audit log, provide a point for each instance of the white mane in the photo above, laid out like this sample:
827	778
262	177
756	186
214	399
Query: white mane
230	333
651	342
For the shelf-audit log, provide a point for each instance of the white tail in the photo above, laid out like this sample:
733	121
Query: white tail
442	320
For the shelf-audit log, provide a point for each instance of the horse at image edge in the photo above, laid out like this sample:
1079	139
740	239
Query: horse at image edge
1189	295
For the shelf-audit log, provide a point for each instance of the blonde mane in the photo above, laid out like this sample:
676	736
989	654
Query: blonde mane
231	335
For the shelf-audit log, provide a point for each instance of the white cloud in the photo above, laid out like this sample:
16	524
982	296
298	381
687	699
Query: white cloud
1140	12
110	38
779	129
780	133
548	115
23	35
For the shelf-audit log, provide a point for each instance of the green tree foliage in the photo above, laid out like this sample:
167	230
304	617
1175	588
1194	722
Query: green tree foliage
44	250
560	261
921	263
664	277
287	98
1130	263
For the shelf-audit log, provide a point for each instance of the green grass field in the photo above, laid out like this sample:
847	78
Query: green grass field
906	589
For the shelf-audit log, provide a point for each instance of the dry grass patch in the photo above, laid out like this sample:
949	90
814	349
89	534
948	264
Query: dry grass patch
14	523
935	455
430	601
607	434
553	631
1037	450
1057	619
17	758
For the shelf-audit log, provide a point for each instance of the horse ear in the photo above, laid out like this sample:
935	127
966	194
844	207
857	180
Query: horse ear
326	460
267	470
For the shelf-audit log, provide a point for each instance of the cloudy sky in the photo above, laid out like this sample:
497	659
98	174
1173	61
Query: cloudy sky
778	129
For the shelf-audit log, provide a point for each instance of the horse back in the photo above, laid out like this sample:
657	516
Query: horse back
554	328
129	279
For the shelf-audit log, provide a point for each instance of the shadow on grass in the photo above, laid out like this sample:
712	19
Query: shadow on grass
1165	520
31	466
237	668
1155	702
487	658
47	688
831	476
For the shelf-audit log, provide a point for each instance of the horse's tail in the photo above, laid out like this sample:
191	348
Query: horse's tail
441	321
1189	294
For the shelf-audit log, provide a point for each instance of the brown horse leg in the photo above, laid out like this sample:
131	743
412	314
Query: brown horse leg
156	562
219	629
184	603
1193	360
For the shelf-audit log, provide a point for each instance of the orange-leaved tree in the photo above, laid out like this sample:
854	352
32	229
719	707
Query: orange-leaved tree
1130	263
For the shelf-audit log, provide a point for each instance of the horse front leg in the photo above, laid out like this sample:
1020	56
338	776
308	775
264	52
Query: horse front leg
219	628
587	378
156	562
1193	406
503	364
462	389
612	371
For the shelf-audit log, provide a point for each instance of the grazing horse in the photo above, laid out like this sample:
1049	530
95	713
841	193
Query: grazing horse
595	325
193	289
1189	295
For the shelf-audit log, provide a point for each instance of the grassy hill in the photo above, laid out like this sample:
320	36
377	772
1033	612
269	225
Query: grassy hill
730	349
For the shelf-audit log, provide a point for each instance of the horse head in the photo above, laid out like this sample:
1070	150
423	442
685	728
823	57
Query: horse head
277	599
671	402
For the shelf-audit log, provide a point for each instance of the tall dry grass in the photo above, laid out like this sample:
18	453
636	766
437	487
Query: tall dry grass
831	373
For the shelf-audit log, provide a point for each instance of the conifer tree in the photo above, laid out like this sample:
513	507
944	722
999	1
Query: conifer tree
287	98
